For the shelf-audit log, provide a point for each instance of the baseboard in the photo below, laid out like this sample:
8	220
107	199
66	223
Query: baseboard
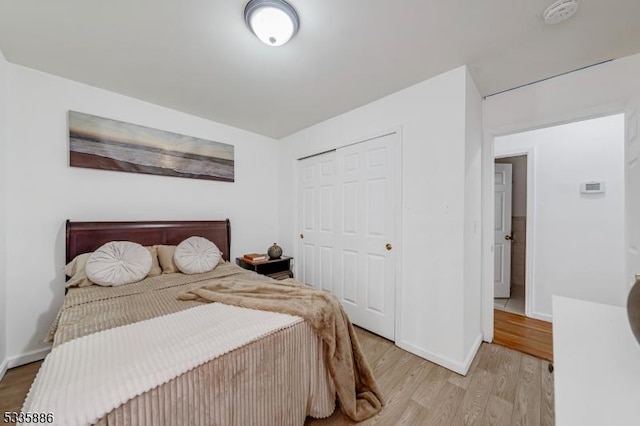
541	317
27	357
4	367
472	353
455	366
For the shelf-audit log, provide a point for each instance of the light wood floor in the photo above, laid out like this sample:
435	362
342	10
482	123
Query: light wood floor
15	384
523	334
503	387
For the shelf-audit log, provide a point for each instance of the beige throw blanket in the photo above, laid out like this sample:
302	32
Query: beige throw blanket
355	385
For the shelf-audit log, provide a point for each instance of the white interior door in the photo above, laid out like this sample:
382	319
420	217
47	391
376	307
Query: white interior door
348	200
317	220
632	188
502	242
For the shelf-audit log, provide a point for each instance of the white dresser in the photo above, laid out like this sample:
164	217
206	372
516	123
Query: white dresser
597	365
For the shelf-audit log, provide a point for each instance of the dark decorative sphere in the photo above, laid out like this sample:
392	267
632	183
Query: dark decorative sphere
275	251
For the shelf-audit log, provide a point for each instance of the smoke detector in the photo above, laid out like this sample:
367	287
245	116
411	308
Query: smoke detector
560	11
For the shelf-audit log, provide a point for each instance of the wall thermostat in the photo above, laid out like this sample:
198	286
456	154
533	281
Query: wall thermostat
593	187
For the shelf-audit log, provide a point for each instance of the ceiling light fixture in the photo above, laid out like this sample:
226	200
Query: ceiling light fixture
274	22
560	11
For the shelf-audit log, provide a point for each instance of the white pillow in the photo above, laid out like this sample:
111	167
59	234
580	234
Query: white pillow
117	263
196	255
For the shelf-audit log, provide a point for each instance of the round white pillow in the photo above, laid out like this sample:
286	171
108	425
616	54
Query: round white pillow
117	263
196	255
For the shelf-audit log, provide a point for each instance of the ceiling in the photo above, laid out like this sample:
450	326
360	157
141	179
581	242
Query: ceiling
198	56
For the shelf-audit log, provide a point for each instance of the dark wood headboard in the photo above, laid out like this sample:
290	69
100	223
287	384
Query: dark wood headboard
85	237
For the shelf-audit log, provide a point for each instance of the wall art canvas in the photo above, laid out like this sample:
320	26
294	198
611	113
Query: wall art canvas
102	143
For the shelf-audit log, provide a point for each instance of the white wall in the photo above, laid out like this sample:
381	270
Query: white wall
596	91
472	217
519	168
579	238
432	117
3	214
43	191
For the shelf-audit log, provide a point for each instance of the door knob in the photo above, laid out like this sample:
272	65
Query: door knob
508	237
388	246
301	236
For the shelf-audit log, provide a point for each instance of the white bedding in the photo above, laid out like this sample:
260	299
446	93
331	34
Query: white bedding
82	380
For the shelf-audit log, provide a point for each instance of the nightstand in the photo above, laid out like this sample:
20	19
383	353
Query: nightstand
278	269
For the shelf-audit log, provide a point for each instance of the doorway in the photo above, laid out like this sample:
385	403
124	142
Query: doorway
574	226
575	211
511	234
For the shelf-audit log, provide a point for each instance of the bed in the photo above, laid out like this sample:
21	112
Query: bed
277	375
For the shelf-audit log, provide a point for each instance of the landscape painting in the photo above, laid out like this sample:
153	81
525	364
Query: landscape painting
102	143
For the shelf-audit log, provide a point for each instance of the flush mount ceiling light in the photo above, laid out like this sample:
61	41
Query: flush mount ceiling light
560	11
274	22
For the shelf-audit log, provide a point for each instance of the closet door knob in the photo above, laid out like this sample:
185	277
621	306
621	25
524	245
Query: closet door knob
388	246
